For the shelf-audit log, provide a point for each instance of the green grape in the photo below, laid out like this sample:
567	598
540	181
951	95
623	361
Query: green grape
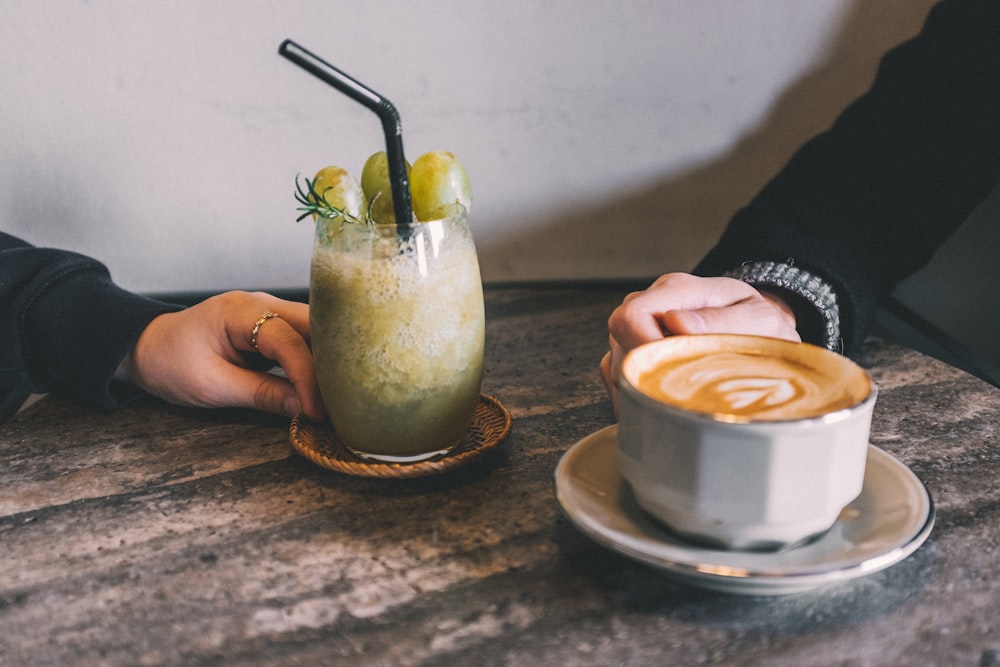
377	187
439	185
336	193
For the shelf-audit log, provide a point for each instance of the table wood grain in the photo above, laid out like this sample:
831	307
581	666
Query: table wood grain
156	535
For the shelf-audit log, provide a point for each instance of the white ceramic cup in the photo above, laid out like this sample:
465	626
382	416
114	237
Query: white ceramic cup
743	442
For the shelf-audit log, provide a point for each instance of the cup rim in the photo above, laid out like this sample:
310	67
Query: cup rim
627	385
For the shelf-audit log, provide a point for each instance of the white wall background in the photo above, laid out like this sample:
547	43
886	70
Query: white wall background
604	139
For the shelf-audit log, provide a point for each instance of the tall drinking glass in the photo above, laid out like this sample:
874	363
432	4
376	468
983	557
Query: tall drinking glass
398	328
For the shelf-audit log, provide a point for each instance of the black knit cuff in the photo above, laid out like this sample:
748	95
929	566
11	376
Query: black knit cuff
810	290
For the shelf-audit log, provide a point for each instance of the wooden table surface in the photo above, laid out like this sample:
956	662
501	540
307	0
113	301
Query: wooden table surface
157	535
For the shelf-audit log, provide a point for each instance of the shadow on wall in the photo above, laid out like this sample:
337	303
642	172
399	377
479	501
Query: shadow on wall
948	309
672	223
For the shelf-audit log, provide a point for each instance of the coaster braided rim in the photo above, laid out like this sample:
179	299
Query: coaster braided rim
319	443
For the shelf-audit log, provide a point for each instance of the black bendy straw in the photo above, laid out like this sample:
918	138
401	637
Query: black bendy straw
392	127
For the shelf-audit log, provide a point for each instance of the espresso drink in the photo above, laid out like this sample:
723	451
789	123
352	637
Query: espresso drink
748	379
743	442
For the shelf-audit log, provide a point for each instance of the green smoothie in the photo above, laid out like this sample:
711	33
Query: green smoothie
397	330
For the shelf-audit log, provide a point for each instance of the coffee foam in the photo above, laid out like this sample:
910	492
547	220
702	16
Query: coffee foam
750	379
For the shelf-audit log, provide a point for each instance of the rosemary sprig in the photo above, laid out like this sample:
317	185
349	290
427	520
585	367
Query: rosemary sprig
315	203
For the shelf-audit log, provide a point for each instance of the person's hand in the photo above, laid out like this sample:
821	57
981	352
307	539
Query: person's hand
680	303
204	356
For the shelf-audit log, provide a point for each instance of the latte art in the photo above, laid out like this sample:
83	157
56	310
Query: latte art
751	394
747	385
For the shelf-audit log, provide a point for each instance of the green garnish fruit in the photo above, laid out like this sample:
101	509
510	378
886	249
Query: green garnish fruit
332	194
377	187
439	186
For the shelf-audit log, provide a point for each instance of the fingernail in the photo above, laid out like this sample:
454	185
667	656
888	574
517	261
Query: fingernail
694	322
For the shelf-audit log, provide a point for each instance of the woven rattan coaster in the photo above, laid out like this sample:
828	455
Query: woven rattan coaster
319	443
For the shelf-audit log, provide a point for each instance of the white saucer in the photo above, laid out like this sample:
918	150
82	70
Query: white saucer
891	518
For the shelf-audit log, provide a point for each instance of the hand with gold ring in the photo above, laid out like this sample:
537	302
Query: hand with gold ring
206	356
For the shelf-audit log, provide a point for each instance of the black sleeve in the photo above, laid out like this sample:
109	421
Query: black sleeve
866	204
64	326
